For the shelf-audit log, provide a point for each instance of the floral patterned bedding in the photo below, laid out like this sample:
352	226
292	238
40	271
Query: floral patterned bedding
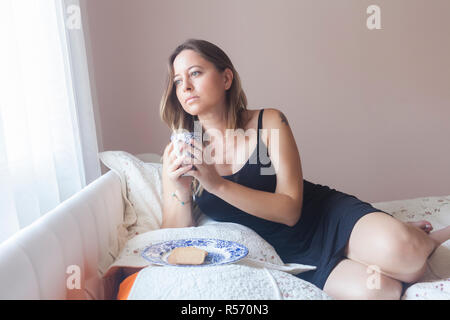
435	284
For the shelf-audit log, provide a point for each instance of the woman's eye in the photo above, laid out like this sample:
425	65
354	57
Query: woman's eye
194	73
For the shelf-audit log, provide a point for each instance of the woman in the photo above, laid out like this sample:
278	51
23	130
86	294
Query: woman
306	223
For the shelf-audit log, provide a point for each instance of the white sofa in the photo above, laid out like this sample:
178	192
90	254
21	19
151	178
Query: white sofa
43	260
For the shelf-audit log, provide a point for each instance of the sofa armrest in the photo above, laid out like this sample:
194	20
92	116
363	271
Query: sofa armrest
62	254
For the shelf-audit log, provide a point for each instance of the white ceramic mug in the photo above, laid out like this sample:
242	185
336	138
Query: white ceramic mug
183	137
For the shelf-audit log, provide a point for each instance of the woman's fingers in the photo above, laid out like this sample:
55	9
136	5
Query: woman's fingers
428	227
176	152
422	224
172	152
172	157
182	170
195	149
178	171
184	160
197	144
425	225
190	152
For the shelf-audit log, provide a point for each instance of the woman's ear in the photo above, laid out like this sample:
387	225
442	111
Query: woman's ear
228	78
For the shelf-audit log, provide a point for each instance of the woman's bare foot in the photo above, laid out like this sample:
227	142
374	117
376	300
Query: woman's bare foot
440	236
422	225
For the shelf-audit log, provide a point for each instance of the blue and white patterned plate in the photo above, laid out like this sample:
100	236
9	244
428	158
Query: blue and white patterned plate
219	251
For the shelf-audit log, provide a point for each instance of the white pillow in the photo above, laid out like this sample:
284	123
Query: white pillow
141	190
258	249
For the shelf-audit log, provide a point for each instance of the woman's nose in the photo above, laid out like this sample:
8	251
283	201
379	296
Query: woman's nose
187	85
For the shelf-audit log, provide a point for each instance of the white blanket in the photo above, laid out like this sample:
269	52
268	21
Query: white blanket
227	282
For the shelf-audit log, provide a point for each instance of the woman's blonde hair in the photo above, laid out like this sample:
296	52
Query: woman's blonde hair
173	114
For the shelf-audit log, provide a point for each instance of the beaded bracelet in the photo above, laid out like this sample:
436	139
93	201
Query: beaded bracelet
182	202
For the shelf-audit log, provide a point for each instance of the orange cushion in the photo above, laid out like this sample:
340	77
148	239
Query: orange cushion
125	287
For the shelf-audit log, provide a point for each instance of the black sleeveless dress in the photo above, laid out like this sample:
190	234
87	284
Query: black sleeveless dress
320	236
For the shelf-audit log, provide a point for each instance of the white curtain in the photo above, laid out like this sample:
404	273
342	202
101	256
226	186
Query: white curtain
48	148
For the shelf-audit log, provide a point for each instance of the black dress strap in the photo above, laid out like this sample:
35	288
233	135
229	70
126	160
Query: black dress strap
259	127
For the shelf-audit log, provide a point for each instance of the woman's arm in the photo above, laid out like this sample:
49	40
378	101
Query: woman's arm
175	214
275	207
283	206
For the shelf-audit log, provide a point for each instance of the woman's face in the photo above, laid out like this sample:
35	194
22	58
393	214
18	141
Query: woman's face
197	77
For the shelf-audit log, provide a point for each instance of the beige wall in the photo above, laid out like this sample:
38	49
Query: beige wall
370	110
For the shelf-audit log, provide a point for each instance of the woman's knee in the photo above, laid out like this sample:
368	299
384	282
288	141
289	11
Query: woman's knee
388	243
405	248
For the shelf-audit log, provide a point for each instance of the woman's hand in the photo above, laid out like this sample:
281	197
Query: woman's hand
423	225
205	173
175	170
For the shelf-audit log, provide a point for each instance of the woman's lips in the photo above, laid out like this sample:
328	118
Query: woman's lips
191	99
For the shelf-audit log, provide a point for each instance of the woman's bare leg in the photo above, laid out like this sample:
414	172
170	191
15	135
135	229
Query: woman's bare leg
399	249
351	280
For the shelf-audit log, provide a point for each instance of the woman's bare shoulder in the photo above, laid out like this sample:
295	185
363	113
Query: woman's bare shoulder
251	118
270	114
273	114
